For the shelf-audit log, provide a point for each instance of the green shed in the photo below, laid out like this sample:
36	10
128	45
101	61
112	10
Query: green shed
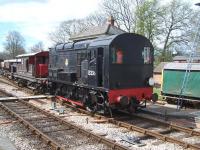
172	80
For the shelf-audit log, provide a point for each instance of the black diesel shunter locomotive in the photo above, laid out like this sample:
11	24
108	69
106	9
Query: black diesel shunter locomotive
107	72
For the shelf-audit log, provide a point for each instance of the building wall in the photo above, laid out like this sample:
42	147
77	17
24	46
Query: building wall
158	79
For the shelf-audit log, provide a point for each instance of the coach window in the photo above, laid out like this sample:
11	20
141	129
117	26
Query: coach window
117	56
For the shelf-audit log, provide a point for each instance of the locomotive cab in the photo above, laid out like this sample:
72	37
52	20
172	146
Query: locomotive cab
123	64
131	69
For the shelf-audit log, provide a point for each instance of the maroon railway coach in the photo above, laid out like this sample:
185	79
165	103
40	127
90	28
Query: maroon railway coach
33	70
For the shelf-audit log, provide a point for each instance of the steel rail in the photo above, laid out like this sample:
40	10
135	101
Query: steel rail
50	141
153	134
41	135
99	138
170	125
27	98
146	131
14	84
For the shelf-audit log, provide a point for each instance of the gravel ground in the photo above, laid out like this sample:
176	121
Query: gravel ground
70	139
12	90
2	94
18	137
120	135
16	133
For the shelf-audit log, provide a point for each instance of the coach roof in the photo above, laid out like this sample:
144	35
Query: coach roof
182	66
12	60
30	54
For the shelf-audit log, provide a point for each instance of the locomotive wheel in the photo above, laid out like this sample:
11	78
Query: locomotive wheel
42	89
63	90
132	110
133	105
69	92
52	88
170	100
154	97
20	83
96	102
57	92
85	100
107	109
35	92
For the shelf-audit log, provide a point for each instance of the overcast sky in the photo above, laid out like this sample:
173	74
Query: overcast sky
34	19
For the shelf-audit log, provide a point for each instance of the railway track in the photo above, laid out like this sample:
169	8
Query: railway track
14	84
17	131
149	127
54	131
161	130
16	128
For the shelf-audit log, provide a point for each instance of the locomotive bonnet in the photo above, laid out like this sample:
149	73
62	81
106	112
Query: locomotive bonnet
107	72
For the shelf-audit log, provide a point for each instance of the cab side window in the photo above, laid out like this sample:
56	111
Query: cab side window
147	55
117	56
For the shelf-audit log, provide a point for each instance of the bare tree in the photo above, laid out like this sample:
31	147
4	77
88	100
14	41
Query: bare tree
123	17
4	55
38	47
175	23
194	32
96	19
14	44
71	27
66	29
122	11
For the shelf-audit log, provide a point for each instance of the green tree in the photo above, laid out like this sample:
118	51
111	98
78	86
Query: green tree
147	21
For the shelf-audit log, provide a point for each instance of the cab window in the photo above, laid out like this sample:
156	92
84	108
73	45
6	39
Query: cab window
147	55
117	56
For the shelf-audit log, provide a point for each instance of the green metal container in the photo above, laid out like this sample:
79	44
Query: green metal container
173	75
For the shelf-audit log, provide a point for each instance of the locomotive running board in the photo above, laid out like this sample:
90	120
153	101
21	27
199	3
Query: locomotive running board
70	101
26	98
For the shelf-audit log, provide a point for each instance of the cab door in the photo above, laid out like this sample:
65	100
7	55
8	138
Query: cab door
100	62
92	68
95	69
